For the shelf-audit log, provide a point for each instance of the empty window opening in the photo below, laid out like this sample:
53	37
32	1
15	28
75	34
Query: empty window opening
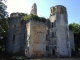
63	51
52	25
51	10
13	37
47	48
14	27
55	47
24	36
53	51
52	34
72	52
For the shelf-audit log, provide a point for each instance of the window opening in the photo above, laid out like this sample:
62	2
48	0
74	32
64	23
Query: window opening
52	25
13	37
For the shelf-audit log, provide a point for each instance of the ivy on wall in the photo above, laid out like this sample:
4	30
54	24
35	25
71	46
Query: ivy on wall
33	17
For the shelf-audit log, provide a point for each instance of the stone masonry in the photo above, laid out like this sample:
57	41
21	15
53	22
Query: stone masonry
38	39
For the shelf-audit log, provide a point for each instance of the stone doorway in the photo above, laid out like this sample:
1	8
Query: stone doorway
53	52
72	52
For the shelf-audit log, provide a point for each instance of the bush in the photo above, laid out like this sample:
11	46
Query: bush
33	17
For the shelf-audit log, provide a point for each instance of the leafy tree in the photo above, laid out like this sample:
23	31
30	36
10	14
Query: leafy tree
3	24
3	13
75	27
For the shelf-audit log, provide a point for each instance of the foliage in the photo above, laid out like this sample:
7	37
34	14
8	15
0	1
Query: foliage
3	13
3	0
3	25
33	17
76	29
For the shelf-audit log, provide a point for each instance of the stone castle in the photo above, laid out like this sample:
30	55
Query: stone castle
37	39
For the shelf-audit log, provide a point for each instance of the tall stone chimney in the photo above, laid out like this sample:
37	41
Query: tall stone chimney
34	9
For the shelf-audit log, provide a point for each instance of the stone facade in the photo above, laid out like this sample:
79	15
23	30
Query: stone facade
36	36
37	39
15	41
59	31
71	34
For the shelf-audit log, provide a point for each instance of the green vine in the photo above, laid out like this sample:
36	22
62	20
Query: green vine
33	17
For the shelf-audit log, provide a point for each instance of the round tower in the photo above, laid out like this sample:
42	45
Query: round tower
58	9
59	26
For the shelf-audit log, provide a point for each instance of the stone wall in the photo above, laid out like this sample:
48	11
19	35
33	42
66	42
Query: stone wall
58	9
15	33
32	38
34	9
59	26
71	36
37	44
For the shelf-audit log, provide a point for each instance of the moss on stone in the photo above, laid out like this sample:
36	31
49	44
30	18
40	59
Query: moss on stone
33	17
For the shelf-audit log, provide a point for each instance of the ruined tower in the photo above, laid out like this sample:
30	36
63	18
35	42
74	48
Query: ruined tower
59	31
34	9
15	34
37	39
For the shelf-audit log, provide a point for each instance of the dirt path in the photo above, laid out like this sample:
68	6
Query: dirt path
54	59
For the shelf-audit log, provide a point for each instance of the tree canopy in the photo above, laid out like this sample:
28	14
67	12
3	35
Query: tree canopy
75	27
3	18
3	24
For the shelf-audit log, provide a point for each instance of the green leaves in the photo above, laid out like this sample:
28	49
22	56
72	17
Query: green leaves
3	24
3	20
75	27
33	17
3	13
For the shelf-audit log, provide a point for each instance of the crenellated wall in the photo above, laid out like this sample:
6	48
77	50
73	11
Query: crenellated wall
58	9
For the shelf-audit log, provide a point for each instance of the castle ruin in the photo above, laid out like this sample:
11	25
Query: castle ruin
38	39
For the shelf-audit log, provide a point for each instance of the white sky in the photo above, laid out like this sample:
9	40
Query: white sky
24	6
19	6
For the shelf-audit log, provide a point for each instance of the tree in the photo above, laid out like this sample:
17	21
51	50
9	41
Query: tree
3	0
75	27
3	13
3	24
